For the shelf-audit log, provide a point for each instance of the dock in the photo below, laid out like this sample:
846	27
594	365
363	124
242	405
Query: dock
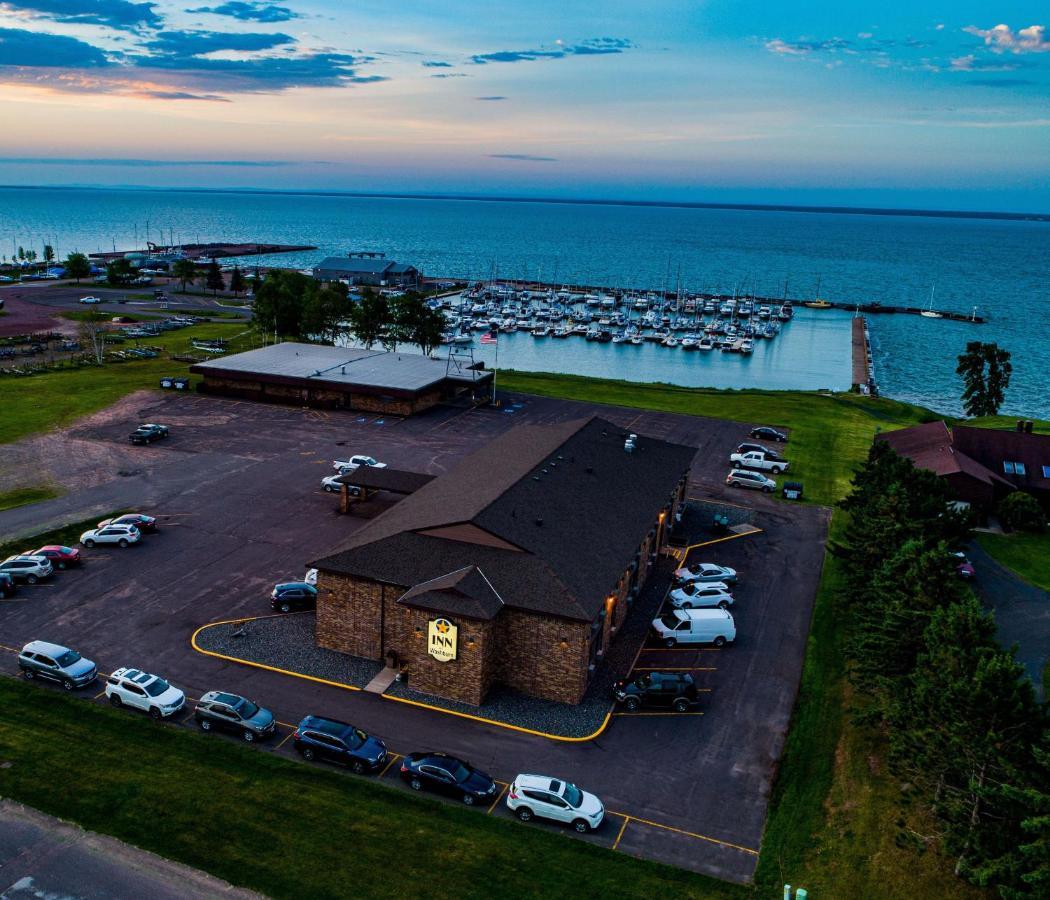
863	366
214	250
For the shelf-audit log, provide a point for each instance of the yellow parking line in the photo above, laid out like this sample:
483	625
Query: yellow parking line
664	714
101	693
9	649
499	797
678	669
692	834
623	828
284	740
394	757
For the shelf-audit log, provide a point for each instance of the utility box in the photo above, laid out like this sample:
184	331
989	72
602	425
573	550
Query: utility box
792	490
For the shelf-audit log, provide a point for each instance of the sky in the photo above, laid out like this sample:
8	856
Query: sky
920	105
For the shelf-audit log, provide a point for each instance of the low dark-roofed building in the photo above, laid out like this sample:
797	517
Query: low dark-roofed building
372	269
558	523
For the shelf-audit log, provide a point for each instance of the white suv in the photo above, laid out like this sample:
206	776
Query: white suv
551	798
140	690
29	569
744	478
699	596
111	534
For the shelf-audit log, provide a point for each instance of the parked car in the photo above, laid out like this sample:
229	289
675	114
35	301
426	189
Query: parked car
758	448
742	478
90	300
147	434
765	433
142	522
7	586
695	626
676	690
61	557
53	662
551	798
447	775
705	572
700	596
963	567
121	535
333	486
220	711
310	577
317	737
141	690
348	465
27	569
756	460
293	595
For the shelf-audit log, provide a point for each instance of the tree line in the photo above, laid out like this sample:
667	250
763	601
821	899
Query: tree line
967	736
294	305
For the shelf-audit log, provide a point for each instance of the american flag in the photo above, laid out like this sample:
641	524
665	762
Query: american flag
490	337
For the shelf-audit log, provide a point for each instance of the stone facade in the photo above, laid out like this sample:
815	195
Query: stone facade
349	615
323	398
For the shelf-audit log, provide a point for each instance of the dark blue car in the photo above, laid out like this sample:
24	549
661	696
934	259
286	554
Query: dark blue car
333	741
448	775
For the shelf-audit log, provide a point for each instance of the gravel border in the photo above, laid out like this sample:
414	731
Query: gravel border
287	642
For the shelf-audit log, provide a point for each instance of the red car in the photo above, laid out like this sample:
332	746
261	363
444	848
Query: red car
141	521
61	557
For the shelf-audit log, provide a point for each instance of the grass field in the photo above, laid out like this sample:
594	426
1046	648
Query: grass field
287	829
1027	554
23	496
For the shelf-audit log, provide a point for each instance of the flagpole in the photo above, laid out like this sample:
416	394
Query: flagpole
495	368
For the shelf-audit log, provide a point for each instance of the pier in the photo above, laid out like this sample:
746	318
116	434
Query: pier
214	250
863	365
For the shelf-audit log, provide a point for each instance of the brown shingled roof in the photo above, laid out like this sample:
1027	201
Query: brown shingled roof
465	592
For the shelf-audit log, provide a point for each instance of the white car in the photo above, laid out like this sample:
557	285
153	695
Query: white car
701	596
552	798
753	459
140	690
90	300
29	569
705	572
121	535
342	466
311	577
331	484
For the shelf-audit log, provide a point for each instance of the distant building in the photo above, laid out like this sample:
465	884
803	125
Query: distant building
372	269
980	465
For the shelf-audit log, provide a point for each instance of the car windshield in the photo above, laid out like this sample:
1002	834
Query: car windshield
669	621
68	658
354	738
573	796
247	709
459	772
157	687
690	589
66	549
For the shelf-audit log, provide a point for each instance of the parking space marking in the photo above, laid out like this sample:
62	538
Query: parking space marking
692	834
284	741
619	834
186	717
675	715
99	695
499	797
678	669
394	757
9	649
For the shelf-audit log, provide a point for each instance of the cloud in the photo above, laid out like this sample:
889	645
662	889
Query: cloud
493	97
250	11
523	157
590	47
450	75
435	64
1002	39
32	49
120	14
971	63
143	163
199	43
1000	82
804	48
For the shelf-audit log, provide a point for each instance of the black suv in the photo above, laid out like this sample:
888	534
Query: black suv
220	711
7	585
293	595
329	739
668	689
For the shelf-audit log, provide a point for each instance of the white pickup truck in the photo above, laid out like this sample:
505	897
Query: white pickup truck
756	460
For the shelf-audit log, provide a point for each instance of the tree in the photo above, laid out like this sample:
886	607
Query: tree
985	370
279	302
416	323
1021	511
77	266
21	254
370	319
119	272
213	277
185	270
326	311
49	254
237	281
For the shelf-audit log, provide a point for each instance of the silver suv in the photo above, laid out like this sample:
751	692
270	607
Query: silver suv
29	569
743	478
40	659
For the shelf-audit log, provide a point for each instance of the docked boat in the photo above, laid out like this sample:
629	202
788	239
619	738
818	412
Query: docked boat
706	343
816	304
746	346
670	341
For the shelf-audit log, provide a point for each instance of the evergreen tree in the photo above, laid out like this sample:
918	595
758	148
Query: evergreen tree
77	266
185	271
326	311
213	279
986	371
416	323
370	319
1024	873
279	303
237	282
119	272
49	254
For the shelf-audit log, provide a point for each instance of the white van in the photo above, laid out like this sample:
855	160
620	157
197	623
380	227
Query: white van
695	626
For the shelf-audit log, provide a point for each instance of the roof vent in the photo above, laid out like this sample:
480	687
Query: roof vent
590	470
539	521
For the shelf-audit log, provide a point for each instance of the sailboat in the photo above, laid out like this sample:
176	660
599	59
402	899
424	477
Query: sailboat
930	312
816	302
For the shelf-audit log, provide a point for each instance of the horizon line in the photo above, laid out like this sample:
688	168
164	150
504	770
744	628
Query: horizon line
582	201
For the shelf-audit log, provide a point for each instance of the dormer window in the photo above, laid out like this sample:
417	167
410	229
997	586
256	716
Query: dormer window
1016	468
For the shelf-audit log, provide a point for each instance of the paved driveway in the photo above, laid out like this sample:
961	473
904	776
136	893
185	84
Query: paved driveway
238	488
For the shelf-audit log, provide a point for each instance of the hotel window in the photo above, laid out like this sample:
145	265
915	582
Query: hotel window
1046	471
1014	468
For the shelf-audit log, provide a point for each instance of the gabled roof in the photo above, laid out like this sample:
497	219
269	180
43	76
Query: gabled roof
465	592
567	497
934	447
355	264
994	446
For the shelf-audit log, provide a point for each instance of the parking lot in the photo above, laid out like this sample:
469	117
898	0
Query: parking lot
237	490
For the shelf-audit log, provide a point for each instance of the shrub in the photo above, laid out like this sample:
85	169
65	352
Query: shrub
1022	512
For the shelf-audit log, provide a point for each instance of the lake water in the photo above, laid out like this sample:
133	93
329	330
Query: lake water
999	267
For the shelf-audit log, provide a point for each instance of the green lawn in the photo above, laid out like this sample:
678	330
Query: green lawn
23	496
287	829
830	433
41	402
1027	554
